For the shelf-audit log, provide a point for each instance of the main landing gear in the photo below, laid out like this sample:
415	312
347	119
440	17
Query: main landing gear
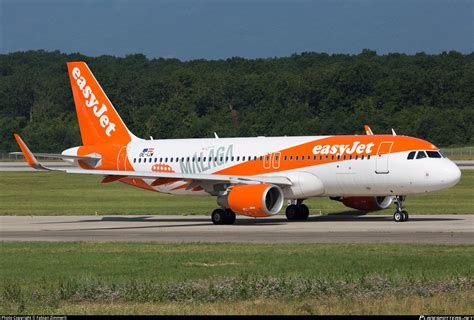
223	216
297	211
400	215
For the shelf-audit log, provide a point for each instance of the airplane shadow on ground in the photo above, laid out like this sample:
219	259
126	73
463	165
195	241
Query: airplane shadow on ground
345	216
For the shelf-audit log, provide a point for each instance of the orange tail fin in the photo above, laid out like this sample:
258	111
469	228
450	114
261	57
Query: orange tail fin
99	122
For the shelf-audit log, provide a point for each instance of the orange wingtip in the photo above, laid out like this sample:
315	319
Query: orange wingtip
30	158
368	131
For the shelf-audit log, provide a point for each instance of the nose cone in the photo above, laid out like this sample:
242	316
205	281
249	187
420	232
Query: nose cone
449	174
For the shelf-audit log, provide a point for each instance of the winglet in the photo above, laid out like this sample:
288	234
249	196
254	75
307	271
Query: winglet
30	158
368	131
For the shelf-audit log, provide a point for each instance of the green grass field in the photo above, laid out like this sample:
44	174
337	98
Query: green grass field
37	193
90	277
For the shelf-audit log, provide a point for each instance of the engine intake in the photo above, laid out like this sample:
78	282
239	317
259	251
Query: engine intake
255	200
367	203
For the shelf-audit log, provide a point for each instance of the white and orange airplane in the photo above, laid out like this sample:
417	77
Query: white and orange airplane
251	176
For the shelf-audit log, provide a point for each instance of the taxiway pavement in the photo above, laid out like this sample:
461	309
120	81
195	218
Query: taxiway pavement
439	229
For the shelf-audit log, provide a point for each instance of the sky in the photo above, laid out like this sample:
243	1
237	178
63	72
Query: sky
219	29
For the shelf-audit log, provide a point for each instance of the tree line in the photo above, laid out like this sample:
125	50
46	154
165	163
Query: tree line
422	95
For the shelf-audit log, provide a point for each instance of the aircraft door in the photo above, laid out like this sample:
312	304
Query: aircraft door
382	158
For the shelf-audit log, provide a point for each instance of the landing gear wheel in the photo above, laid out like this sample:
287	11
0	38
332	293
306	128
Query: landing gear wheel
218	216
304	212
229	217
398	216
405	215
292	212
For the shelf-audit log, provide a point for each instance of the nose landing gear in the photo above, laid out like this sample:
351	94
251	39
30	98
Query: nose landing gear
297	211
400	215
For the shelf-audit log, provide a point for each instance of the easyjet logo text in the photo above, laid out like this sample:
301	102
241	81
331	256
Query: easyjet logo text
91	102
356	148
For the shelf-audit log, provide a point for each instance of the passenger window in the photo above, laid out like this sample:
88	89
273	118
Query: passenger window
171	159
411	155
421	155
350	157
243	158
150	160
199	159
285	157
368	156
238	158
296	157
433	154
276	158
291	157
338	157
134	160
222	159
356	157
344	157
204	159
161	159
362	157
332	157
320	157
261	158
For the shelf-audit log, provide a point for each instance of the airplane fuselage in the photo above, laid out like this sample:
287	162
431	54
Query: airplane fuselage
352	165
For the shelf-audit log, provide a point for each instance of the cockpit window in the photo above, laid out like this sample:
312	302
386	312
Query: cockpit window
433	154
411	155
442	154
421	155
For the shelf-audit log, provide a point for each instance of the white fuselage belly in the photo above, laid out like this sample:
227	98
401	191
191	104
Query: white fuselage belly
398	175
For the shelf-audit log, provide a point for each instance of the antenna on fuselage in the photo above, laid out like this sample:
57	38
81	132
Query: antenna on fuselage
216	136
393	132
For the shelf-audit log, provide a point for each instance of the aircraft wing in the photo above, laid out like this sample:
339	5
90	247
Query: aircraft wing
218	178
59	156
113	175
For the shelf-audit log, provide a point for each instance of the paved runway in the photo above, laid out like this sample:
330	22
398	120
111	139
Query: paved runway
440	229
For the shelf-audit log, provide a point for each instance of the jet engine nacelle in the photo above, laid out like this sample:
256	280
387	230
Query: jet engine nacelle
254	200
367	203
